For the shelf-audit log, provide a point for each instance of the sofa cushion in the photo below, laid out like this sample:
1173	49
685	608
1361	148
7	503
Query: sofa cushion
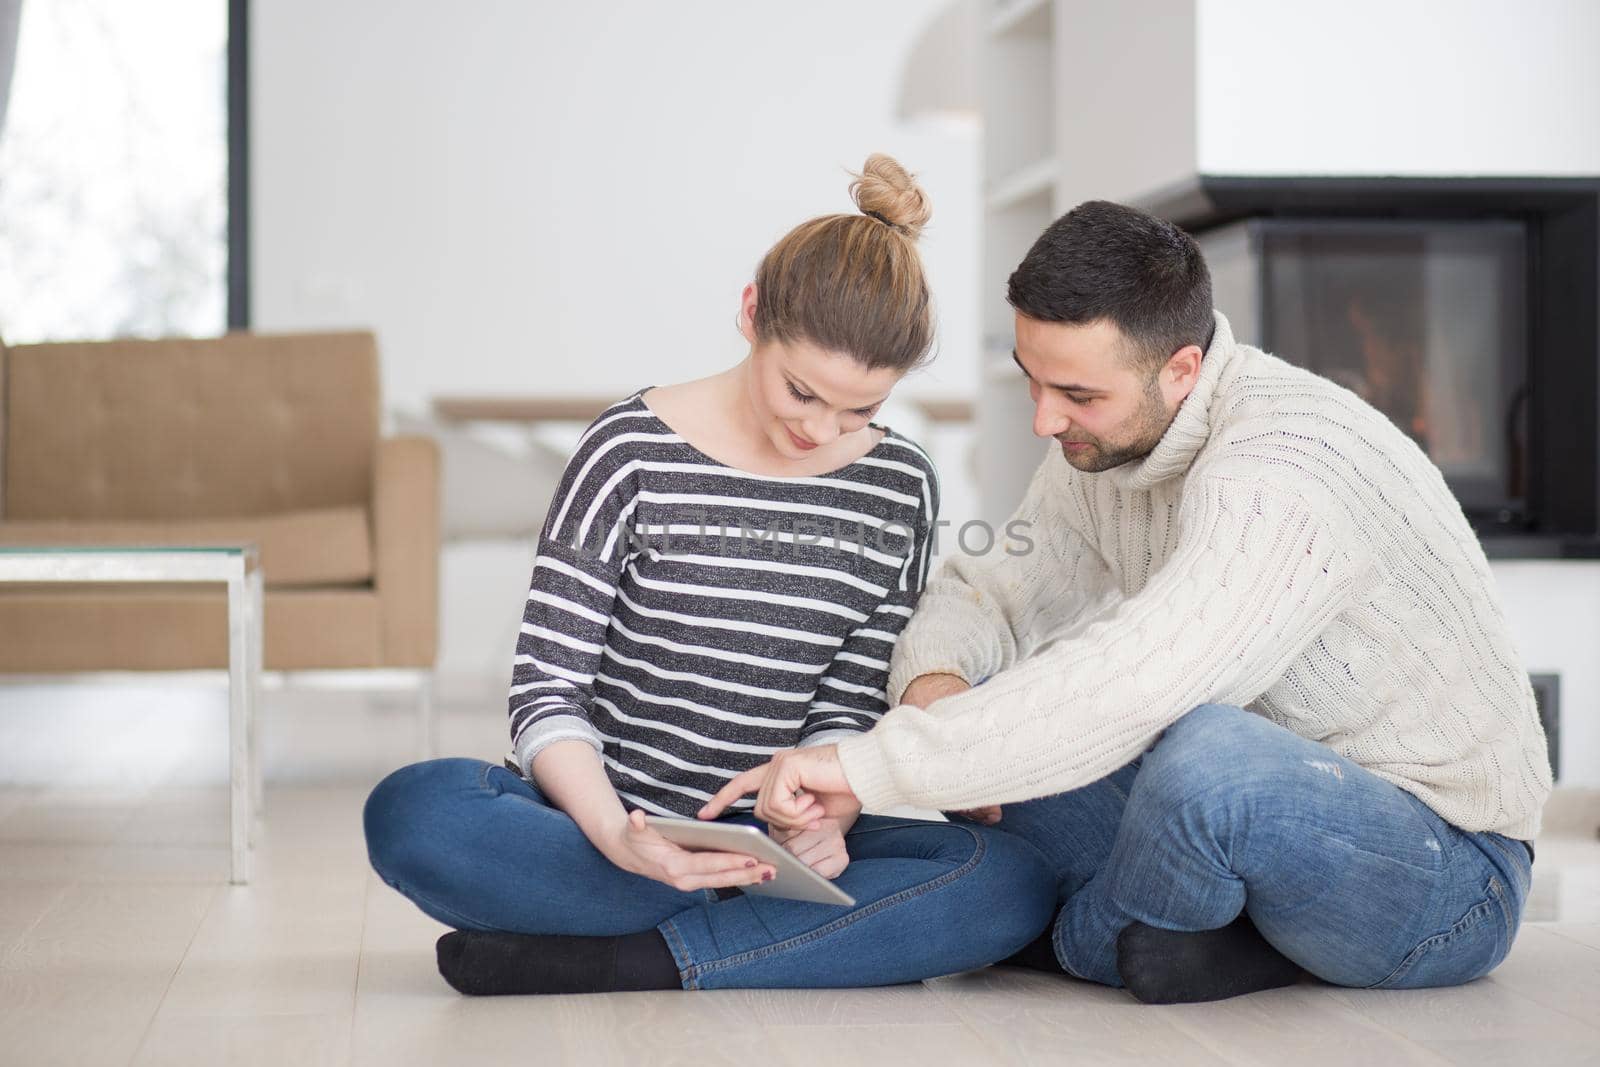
324	546
135	628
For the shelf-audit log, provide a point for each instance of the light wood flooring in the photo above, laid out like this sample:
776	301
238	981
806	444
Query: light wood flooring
120	942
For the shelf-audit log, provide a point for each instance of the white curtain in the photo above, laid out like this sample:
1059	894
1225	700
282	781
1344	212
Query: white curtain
10	16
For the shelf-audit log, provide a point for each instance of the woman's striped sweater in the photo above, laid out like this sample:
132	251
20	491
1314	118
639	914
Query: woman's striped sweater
689	619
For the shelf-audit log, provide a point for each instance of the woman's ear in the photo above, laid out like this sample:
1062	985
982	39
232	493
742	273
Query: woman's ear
747	313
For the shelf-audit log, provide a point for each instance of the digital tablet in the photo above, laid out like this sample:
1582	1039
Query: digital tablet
794	880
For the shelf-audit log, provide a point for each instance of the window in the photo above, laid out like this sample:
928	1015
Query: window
114	165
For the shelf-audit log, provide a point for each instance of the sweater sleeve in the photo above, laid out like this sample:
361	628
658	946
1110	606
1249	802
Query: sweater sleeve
583	550
852	695
559	648
981	614
1255	577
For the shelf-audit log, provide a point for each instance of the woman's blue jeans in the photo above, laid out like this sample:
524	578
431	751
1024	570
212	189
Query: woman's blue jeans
478	848
1348	875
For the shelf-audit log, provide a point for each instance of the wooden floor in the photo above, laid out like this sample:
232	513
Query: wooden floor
120	942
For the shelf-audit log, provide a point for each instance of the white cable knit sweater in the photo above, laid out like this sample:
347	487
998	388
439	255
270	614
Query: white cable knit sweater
1285	548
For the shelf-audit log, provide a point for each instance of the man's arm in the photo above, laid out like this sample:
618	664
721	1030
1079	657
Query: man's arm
1255	578
924	691
980	614
927	688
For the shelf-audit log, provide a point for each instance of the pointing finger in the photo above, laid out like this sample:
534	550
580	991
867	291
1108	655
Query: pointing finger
748	782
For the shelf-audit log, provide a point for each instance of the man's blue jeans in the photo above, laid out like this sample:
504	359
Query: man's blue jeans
478	848
1346	874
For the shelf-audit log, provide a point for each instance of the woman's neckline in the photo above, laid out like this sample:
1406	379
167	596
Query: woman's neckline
884	434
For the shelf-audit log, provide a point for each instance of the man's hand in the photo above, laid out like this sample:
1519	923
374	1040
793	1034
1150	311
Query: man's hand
797	790
924	690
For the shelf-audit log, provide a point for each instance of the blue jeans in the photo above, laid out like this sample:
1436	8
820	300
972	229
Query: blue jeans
1349	876
478	848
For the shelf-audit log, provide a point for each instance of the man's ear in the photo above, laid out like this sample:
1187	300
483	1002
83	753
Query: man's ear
1181	372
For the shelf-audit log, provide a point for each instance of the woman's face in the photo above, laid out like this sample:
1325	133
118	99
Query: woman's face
806	397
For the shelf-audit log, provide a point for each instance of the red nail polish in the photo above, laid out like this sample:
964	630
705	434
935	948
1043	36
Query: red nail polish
768	876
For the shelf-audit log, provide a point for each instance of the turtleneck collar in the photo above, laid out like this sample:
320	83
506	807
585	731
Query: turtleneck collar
1191	426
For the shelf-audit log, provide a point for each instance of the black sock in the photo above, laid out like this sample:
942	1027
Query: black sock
1038	954
1181	967
489	963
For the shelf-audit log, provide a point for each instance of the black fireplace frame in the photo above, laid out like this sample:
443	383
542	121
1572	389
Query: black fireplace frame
1562	221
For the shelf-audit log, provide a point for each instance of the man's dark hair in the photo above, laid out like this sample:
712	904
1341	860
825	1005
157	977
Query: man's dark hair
1107	261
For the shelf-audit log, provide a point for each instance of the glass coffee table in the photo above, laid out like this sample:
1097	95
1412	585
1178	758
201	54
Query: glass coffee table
234	566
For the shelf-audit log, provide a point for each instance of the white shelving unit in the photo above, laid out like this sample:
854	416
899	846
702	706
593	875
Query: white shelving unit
1019	17
1022	172
1016	189
1066	119
999	368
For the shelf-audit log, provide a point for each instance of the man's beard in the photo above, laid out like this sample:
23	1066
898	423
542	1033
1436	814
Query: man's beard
1140	435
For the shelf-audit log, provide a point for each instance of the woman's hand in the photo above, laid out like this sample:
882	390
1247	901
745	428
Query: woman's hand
822	849
988	815
635	847
571	775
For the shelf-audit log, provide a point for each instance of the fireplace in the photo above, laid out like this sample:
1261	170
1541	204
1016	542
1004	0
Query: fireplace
1426	321
1467	310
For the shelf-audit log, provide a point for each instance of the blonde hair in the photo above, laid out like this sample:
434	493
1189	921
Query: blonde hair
854	283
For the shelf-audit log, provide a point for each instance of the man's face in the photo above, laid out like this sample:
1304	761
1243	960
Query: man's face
1089	395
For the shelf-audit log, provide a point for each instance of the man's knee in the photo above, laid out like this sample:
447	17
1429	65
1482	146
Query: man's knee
1213	727
1216	754
1218	734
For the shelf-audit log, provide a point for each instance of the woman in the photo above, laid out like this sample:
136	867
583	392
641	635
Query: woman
722	576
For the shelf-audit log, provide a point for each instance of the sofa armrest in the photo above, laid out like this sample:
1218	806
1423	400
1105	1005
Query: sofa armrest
405	534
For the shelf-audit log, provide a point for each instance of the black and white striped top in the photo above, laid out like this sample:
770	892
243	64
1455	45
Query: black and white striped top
689	619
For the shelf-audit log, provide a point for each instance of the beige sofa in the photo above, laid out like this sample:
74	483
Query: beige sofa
270	439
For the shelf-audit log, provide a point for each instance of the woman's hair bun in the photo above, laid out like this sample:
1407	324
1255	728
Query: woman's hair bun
884	188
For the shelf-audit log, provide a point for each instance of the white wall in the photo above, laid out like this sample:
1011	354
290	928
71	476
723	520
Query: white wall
1414	87
567	197
1379	87
1554	610
1125	104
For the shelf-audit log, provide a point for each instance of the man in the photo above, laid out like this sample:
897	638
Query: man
1254	667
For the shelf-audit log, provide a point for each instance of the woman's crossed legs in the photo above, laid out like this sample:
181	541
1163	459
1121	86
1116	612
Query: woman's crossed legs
478	848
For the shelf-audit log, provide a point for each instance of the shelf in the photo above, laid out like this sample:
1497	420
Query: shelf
1023	184
520	408
1022	18
955	409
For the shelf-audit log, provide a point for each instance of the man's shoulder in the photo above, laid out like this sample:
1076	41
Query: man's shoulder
1301	437
1269	404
